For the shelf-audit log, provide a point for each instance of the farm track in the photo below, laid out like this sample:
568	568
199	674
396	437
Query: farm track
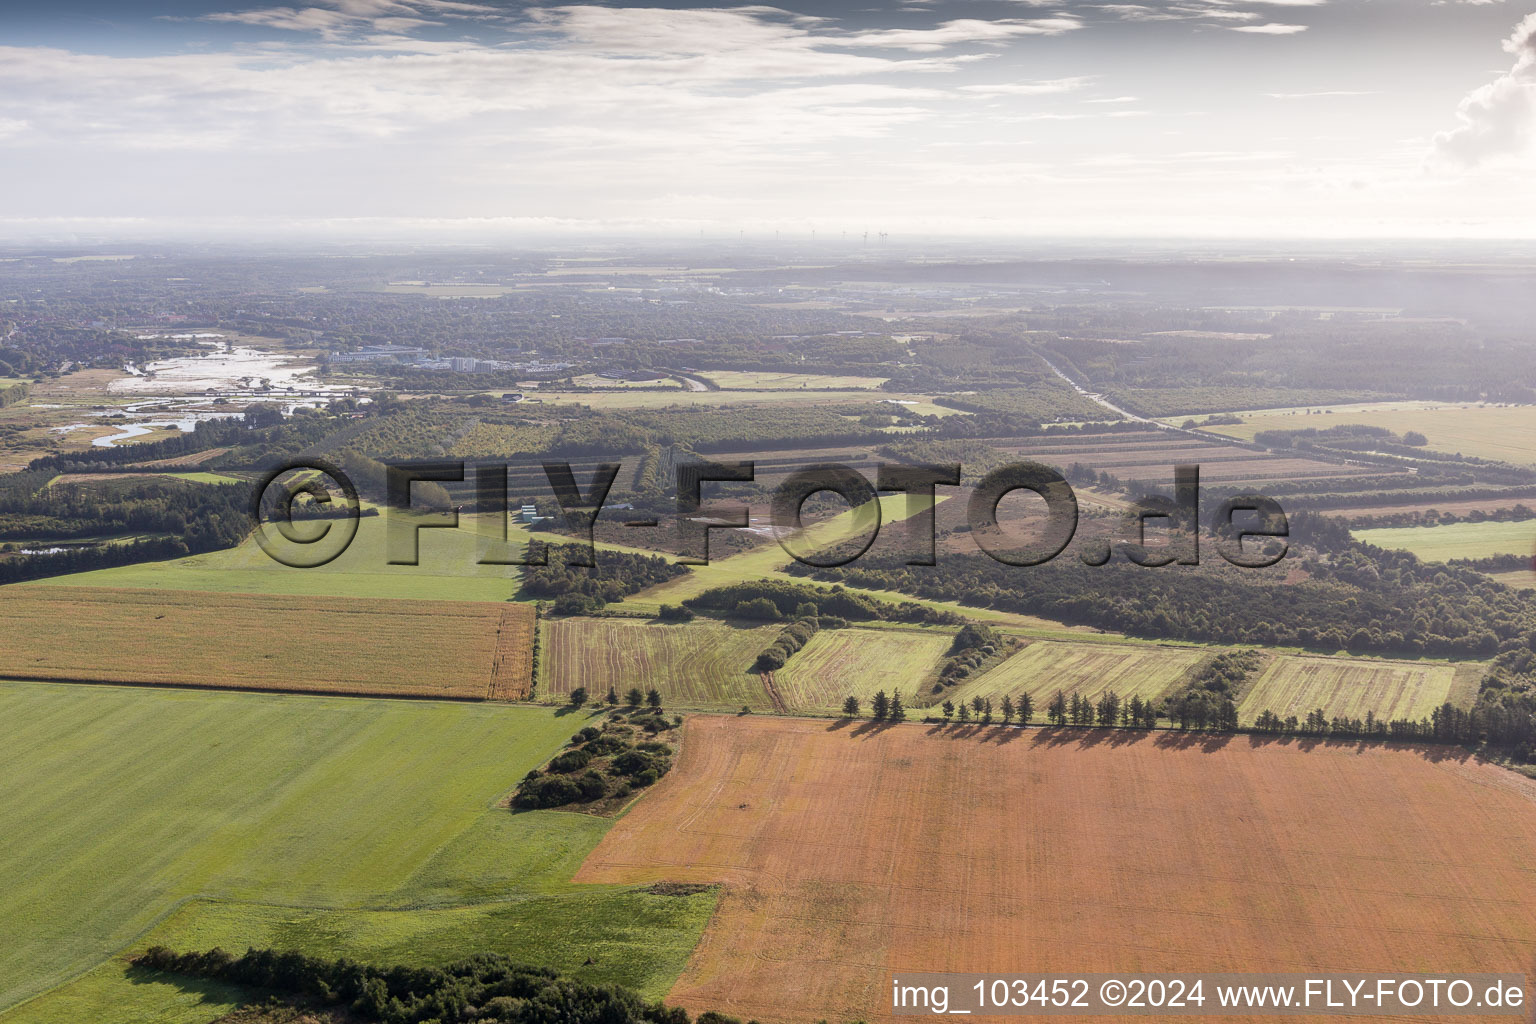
774	697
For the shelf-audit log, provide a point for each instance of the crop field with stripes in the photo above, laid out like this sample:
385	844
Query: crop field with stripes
1090	669
701	664
1349	687
839	663
462	650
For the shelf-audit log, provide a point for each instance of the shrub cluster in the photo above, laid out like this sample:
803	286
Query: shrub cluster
601	762
578	588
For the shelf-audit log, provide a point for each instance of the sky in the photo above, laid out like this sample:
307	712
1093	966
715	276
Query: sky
500	119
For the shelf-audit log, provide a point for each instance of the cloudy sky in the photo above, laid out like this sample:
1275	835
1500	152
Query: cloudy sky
1028	118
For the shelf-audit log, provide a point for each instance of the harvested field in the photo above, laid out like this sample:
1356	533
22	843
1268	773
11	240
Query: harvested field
850	854
838	663
1507	433
512	665
329	645
703	664
1349	687
1045	666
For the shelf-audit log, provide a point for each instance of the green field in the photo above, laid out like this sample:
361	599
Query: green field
1349	687
1455	540
356	827
1045	666
1507	433
838	663
702	664
448	570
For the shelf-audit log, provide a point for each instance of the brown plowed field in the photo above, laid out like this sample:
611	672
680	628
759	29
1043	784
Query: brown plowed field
851	853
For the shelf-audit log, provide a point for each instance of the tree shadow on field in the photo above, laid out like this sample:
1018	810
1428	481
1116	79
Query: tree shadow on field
956	730
1205	742
209	991
841	723
1083	736
1434	753
871	726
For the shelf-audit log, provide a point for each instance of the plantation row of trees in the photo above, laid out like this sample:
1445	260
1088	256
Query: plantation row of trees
1199	709
882	708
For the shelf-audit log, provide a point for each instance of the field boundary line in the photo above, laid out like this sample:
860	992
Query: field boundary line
285	691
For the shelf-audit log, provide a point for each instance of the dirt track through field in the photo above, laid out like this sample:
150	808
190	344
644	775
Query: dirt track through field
849	853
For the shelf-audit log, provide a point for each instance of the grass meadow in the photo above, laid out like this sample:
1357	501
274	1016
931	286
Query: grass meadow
1455	540
336	826
448	570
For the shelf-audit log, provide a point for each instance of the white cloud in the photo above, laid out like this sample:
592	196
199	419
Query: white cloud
750	78
1321	93
1498	119
965	30
1273	28
334	19
1044	87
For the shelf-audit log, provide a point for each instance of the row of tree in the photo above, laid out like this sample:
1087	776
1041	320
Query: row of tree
486	989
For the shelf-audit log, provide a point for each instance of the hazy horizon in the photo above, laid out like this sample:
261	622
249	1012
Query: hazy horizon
485	122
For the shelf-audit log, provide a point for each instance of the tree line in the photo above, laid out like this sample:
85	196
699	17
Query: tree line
486	989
